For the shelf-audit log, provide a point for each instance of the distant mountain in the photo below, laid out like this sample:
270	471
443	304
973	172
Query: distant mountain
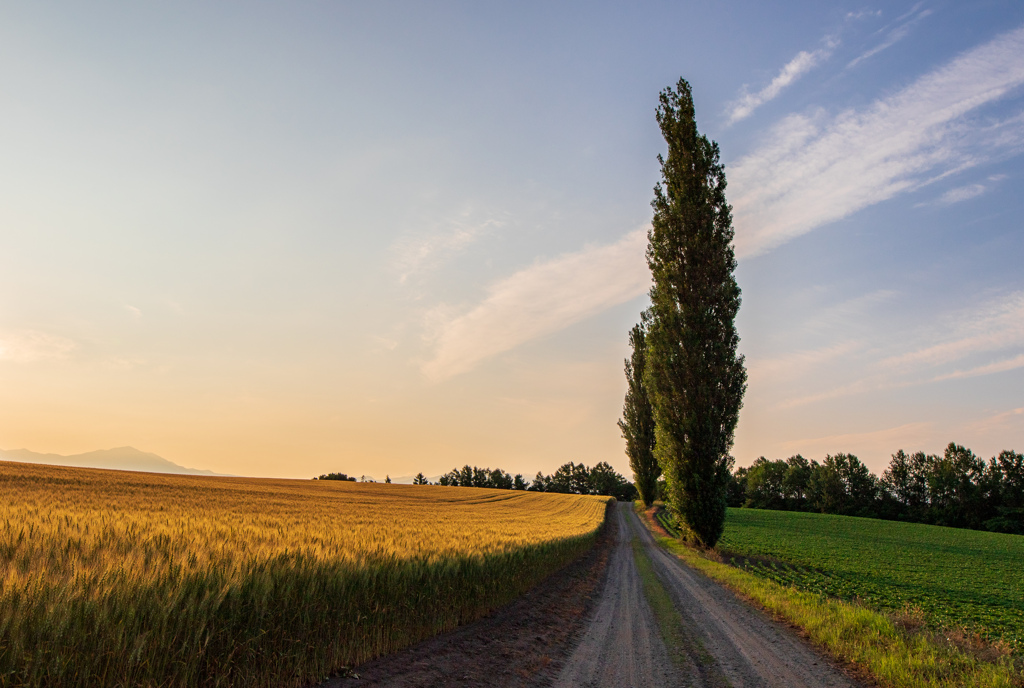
119	459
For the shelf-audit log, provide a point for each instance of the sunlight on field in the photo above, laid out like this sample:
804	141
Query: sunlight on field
128	578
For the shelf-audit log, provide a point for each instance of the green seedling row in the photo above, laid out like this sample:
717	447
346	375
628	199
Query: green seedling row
956	578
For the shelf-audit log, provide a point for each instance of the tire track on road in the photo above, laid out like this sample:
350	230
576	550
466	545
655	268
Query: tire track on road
622	645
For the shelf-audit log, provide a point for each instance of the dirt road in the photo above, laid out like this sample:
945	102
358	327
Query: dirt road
723	641
593	625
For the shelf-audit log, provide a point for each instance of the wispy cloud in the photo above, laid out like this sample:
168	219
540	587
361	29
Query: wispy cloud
997	367
854	16
966	192
799	362
956	347
794	69
869	383
999	421
818	169
427	250
886	440
994	327
541	299
904	24
962	193
29	345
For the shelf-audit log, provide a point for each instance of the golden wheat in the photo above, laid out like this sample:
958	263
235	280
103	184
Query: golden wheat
127	579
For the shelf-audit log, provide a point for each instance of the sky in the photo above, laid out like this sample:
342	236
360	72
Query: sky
282	239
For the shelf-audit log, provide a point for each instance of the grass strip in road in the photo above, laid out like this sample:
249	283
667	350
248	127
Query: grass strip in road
670	623
683	647
855	634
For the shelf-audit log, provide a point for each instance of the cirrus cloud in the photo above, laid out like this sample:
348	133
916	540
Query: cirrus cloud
818	168
27	346
538	300
794	69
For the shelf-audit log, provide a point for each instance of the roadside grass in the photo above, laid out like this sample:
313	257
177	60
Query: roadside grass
110	578
891	651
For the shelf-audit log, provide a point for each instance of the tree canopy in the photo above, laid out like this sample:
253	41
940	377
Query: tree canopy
637	422
693	373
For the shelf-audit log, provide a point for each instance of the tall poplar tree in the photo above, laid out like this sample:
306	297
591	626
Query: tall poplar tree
694	376
637	422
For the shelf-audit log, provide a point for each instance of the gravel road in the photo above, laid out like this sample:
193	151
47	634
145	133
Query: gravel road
621	645
726	641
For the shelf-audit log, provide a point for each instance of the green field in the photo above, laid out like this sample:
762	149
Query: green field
958	578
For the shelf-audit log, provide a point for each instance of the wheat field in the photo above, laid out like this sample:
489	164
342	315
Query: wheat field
132	579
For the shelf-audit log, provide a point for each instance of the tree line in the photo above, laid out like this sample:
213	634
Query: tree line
957	489
569	478
335	476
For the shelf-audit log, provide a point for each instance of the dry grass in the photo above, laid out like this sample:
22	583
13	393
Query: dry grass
128	579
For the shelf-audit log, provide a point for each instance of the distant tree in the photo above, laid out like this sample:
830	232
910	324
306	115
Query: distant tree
736	493
694	376
518	483
906	482
796	482
335	476
1011	468
765	484
580	480
954	488
842	485
825	490
540	483
605	480
420	479
561	480
481	477
637	422
1009	507
500	479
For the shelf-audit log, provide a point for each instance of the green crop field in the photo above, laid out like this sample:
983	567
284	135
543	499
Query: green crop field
958	578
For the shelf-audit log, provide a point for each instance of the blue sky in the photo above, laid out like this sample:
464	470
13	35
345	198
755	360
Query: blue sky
285	239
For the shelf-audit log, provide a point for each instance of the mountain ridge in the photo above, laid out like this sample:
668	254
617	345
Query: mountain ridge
117	459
